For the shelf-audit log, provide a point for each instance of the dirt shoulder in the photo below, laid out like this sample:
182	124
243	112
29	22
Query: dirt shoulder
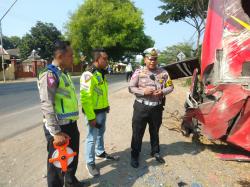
23	158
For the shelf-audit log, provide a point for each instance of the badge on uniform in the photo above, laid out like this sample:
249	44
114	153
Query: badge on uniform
169	83
99	78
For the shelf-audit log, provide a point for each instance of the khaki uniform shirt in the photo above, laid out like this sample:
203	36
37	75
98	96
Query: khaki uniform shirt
156	79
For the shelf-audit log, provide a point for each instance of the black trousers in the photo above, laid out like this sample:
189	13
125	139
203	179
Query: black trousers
128	75
55	177
142	116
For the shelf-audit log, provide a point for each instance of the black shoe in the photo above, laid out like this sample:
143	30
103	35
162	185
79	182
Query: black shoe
93	170
134	162
158	158
77	183
106	156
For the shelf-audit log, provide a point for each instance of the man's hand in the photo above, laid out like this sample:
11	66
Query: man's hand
158	93
148	91
60	138
108	110
94	124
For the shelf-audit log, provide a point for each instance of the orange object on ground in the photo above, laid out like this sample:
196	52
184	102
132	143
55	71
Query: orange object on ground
62	156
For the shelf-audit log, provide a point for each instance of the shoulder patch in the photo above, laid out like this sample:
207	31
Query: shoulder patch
84	81
87	76
51	80
169	83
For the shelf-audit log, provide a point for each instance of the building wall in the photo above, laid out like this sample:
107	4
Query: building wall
9	73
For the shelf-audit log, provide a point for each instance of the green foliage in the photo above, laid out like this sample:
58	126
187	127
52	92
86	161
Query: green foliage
15	41
170	53
115	25
42	37
188	82
180	10
11	42
142	63
26	46
7	43
192	12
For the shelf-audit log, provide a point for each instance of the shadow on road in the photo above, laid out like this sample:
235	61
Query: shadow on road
244	183
226	149
216	146
122	174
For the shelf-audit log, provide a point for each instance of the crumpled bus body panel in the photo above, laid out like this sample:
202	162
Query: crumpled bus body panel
227	41
223	110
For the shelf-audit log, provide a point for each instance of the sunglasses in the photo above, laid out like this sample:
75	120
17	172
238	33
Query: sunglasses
152	58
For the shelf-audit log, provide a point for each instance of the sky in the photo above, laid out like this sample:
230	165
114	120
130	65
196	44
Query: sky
25	14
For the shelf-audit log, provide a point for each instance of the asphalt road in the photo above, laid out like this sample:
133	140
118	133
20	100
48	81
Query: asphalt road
20	105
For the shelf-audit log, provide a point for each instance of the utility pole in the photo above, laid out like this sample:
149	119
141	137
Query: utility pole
1	37
2	54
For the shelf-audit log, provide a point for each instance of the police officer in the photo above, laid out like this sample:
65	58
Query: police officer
60	110
150	85
95	105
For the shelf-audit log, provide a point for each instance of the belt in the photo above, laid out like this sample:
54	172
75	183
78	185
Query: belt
65	121
148	103
62	121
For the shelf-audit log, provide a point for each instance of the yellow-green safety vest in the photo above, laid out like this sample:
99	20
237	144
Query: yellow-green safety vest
66	104
93	93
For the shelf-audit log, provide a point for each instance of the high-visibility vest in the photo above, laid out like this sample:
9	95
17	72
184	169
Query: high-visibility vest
66	104
93	93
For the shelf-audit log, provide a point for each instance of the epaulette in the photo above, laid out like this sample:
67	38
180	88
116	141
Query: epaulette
139	70
54	70
50	70
92	69
42	72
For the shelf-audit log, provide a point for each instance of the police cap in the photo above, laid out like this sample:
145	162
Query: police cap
151	52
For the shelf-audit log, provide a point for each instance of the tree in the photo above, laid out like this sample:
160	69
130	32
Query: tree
11	42
169	55
115	25
7	43
26	46
193	12
16	41
42	37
